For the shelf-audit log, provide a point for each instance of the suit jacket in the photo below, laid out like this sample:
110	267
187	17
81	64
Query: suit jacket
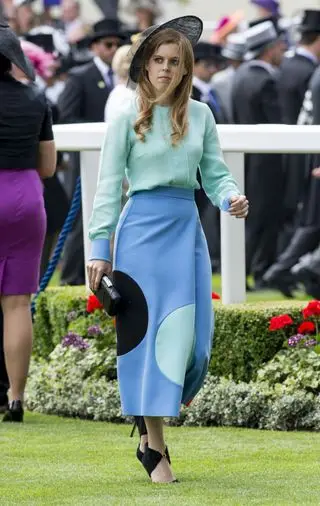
222	84
84	97
295	73
256	100
219	114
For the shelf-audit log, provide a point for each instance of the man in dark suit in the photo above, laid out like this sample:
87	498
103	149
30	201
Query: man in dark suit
255	101
83	101
292	264
208	61
296	70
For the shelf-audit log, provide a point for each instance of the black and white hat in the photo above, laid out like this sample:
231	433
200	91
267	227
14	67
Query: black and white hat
189	26
10	47
258	38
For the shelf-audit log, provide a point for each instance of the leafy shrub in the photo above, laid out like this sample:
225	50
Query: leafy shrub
242	341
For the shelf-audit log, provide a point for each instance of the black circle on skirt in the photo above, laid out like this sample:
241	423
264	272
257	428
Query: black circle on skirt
132	318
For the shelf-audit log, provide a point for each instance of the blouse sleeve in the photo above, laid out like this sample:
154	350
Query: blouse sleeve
217	181
107	201
46	133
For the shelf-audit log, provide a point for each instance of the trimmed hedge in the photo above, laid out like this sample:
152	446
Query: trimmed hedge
242	341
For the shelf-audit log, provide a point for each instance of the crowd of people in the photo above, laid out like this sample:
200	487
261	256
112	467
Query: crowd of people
260	71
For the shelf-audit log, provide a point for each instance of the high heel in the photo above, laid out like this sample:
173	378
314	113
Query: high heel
14	412
140	454
151	458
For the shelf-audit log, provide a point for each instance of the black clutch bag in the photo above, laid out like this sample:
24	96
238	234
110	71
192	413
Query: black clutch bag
108	296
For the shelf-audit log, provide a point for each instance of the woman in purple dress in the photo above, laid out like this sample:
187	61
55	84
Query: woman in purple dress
27	154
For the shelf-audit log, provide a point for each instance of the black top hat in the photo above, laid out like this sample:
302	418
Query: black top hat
208	52
106	28
189	26
310	21
43	40
10	48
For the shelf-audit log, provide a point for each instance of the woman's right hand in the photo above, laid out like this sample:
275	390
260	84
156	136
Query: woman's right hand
96	269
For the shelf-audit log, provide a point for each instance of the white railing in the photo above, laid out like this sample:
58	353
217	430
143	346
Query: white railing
235	141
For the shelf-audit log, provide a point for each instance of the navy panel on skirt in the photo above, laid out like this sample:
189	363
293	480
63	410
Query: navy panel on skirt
164	336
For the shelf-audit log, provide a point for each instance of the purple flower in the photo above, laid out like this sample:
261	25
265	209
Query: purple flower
71	316
294	340
72	339
310	343
94	330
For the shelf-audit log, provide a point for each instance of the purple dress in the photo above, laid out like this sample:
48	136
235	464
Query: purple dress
22	227
25	120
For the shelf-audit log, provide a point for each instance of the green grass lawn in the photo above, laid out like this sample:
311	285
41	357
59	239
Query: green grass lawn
54	461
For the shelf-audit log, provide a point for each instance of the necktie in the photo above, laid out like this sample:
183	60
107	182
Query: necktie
213	101
110	79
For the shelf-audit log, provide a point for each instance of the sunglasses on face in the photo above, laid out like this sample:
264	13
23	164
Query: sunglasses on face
110	45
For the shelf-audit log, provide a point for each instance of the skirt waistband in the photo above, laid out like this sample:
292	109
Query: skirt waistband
165	191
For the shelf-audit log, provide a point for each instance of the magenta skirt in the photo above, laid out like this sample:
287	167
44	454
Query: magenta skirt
22	231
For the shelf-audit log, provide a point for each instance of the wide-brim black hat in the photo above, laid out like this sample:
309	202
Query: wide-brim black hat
106	28
189	26
10	48
310	21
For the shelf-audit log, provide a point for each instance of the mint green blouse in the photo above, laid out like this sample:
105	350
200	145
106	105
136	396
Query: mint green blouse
154	163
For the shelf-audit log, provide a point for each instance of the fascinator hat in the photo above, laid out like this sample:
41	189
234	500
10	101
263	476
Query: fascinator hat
10	48
189	26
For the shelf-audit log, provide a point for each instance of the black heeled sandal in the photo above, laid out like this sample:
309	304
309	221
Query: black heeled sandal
140	423
151	459
14	412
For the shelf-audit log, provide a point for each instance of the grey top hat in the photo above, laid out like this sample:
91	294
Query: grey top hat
10	48
151	5
235	47
189	26
259	37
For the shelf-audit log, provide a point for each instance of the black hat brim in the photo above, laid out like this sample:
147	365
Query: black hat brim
189	26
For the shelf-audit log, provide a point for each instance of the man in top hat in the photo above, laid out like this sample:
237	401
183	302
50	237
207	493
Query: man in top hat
222	82
83	100
207	62
256	101
296	70
299	262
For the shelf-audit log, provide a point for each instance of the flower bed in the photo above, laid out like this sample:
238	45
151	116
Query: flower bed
265	367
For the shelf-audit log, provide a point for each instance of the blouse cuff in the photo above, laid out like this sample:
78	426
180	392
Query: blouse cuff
100	250
225	204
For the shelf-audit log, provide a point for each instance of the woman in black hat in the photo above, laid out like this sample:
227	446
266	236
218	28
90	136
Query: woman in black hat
27	154
161	263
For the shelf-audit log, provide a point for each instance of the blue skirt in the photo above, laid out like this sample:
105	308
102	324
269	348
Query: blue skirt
164	332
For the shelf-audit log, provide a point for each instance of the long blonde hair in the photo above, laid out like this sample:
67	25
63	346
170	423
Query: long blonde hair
180	87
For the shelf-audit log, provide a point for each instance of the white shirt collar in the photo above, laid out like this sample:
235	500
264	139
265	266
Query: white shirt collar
102	66
307	54
204	87
261	63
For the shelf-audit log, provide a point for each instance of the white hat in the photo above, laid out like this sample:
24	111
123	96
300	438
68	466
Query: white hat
258	37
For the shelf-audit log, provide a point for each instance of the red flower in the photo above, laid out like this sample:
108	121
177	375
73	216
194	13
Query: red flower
279	322
215	296
93	304
306	328
312	309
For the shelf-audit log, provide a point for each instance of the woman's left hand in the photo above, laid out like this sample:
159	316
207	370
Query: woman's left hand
239	206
